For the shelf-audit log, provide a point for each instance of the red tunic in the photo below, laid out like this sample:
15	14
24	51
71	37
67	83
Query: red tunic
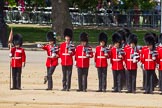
51	51
82	61
100	58
141	53
117	63
129	52
18	57
159	58
66	58
147	61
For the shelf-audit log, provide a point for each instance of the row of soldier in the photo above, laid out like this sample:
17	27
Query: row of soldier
124	54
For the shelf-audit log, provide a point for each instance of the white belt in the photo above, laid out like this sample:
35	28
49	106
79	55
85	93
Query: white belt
101	57
160	59
82	57
129	59
65	54
16	57
148	60
116	59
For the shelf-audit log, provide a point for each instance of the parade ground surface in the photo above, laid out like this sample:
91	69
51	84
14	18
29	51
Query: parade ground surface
34	95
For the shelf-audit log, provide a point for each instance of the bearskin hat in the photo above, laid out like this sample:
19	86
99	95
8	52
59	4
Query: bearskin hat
51	36
84	37
149	40
155	36
103	37
160	38
17	40
68	32
132	38
116	37
122	34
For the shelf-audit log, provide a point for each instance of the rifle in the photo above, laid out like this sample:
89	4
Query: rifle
70	47
87	50
106	50
54	50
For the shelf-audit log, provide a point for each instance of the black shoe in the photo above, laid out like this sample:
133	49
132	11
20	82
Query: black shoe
99	91
151	92
104	90
63	89
84	90
67	89
79	90
49	89
115	91
18	88
146	92
128	92
12	88
160	93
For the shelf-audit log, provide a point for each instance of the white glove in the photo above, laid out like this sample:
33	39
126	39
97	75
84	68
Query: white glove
53	54
69	52
10	55
39	45
134	60
153	58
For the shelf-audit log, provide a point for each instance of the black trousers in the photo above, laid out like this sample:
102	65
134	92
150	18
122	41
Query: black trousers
160	80
149	81
102	77
67	72
117	80
50	71
16	78
124	79
132	74
82	78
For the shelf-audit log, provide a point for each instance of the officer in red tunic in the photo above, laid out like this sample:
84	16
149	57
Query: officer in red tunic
141	55
52	58
131	59
101	56
82	57
159	61
18	59
148	59
67	51
116	59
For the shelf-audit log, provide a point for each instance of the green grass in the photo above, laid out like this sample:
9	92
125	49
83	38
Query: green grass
31	34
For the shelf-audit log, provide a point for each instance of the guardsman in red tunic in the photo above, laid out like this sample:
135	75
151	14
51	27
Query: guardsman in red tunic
131	59
101	56
116	59
159	61
67	51
149	59
124	32
82	56
52	58
18	60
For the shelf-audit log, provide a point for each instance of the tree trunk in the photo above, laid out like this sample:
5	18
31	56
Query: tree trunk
3	27
60	16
